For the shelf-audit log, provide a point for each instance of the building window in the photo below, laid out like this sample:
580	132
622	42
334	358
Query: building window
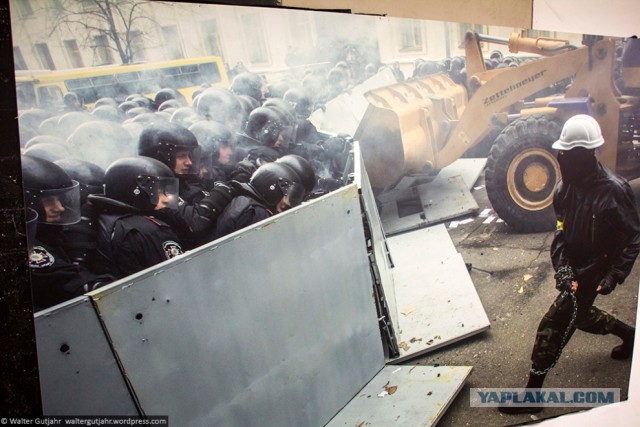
74	53
24	8
254	37
301	30
211	37
172	42
102	50
18	59
138	49
42	50
411	36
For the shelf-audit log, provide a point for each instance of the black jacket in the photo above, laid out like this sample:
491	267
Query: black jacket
247	208
598	227
130	241
54	277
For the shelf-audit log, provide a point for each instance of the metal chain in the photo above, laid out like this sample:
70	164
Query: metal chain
566	333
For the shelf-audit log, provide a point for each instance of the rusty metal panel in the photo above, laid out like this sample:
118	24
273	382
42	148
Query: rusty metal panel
405	396
78	371
272	325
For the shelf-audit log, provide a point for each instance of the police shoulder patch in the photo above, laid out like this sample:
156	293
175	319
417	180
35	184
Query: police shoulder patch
171	249
40	258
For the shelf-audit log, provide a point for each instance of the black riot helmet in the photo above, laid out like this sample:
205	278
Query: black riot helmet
50	191
184	116
107	112
302	168
167	93
162	141
273	181
141	182
249	84
265	125
211	136
248	105
106	101
89	175
72	101
283	107
220	105
48	150
300	101
128	105
170	104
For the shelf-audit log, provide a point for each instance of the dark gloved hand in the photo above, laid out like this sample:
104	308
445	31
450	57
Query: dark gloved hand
243	171
218	199
564	276
607	285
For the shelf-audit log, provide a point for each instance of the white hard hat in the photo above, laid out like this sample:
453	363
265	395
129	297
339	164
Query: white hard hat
581	130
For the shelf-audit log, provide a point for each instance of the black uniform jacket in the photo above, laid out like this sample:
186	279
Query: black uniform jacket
247	208
598	227
54	277
129	241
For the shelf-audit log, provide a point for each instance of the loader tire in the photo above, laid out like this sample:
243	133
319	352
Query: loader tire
522	172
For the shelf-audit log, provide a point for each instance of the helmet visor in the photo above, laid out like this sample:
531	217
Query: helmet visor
58	206
294	193
186	160
163	192
31	227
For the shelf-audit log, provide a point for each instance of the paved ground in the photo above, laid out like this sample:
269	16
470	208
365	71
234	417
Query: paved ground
515	297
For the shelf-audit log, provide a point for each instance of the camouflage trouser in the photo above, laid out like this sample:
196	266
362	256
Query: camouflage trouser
553	325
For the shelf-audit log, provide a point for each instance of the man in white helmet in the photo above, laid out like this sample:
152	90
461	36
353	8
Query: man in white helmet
596	243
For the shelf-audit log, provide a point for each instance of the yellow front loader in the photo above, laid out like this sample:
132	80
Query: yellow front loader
424	124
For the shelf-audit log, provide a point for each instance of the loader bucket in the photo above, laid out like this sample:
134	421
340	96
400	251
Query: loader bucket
405	126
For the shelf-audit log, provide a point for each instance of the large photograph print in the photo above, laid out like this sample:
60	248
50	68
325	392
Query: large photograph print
239	215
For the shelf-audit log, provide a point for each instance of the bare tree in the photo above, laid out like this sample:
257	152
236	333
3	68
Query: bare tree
117	21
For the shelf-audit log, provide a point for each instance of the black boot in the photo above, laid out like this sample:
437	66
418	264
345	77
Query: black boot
627	333
535	382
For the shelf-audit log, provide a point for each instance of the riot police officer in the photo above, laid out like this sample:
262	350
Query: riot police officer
198	207
176	147
131	237
220	105
266	138
81	237
217	142
251	84
273	188
55	197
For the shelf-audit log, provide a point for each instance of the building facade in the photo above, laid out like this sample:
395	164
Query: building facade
61	34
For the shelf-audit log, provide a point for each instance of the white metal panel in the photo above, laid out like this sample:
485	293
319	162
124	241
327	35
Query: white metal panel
407	206
427	204
78	371
383	262
437	301
404	396
272	325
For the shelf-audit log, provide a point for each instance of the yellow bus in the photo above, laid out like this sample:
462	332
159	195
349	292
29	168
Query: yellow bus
45	89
